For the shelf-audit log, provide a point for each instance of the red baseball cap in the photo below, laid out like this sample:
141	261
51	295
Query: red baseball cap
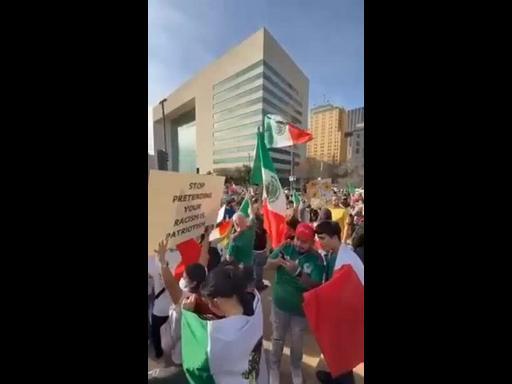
305	232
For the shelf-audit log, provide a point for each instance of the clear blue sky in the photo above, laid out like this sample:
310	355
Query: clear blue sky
325	38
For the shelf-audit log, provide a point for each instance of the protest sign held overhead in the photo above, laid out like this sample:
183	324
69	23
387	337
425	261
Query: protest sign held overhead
181	205
319	191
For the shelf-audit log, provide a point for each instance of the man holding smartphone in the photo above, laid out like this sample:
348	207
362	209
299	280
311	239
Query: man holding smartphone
299	268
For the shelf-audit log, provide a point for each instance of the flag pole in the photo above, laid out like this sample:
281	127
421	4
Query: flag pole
292	168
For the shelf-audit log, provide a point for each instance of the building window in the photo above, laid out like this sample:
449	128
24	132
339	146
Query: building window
281	100
245	118
238	88
357	151
231	160
239	74
283	152
234	100
280	77
248	137
235	111
244	148
276	85
244	128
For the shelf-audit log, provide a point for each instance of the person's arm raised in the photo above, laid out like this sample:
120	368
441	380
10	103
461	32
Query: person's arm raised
204	258
170	282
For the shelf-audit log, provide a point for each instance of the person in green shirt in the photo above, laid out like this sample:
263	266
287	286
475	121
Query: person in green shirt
242	242
298	269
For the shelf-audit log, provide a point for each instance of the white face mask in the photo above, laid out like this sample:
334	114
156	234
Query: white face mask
184	285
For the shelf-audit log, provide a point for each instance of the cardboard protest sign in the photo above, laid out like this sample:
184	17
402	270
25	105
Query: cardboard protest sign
181	205
319	191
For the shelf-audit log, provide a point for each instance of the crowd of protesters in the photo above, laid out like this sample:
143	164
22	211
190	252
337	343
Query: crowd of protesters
226	281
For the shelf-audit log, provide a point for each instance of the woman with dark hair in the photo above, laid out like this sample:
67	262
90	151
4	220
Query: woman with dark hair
325	215
291	226
260	251
226	290
188	285
227	350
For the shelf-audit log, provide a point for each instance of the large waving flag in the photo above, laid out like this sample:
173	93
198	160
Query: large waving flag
225	351
280	133
339	333
190	251
274	200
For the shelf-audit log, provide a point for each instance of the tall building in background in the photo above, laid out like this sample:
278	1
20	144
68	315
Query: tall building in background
211	121
328	125
355	148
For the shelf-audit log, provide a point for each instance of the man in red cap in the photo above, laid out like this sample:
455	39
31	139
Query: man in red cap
299	268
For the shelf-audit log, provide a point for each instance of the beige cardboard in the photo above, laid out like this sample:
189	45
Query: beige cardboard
163	211
319	192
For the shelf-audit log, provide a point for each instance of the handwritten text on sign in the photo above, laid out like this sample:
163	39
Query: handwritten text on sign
180	205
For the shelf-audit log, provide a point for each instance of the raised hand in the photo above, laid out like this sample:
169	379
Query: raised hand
162	250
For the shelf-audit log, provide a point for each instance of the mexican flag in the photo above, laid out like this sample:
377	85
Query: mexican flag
245	207
190	250
274	200
339	333
280	133
225	351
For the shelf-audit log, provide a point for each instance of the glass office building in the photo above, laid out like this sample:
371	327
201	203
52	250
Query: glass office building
222	106
240	103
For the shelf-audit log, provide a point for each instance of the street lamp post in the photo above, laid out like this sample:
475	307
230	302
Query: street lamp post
292	168
163	119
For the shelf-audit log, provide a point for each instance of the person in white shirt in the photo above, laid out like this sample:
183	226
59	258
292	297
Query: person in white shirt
150	303
162	301
188	285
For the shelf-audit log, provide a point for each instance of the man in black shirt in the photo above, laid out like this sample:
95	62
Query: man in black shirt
260	252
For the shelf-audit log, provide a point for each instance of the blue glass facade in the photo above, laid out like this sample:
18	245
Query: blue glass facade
240	103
